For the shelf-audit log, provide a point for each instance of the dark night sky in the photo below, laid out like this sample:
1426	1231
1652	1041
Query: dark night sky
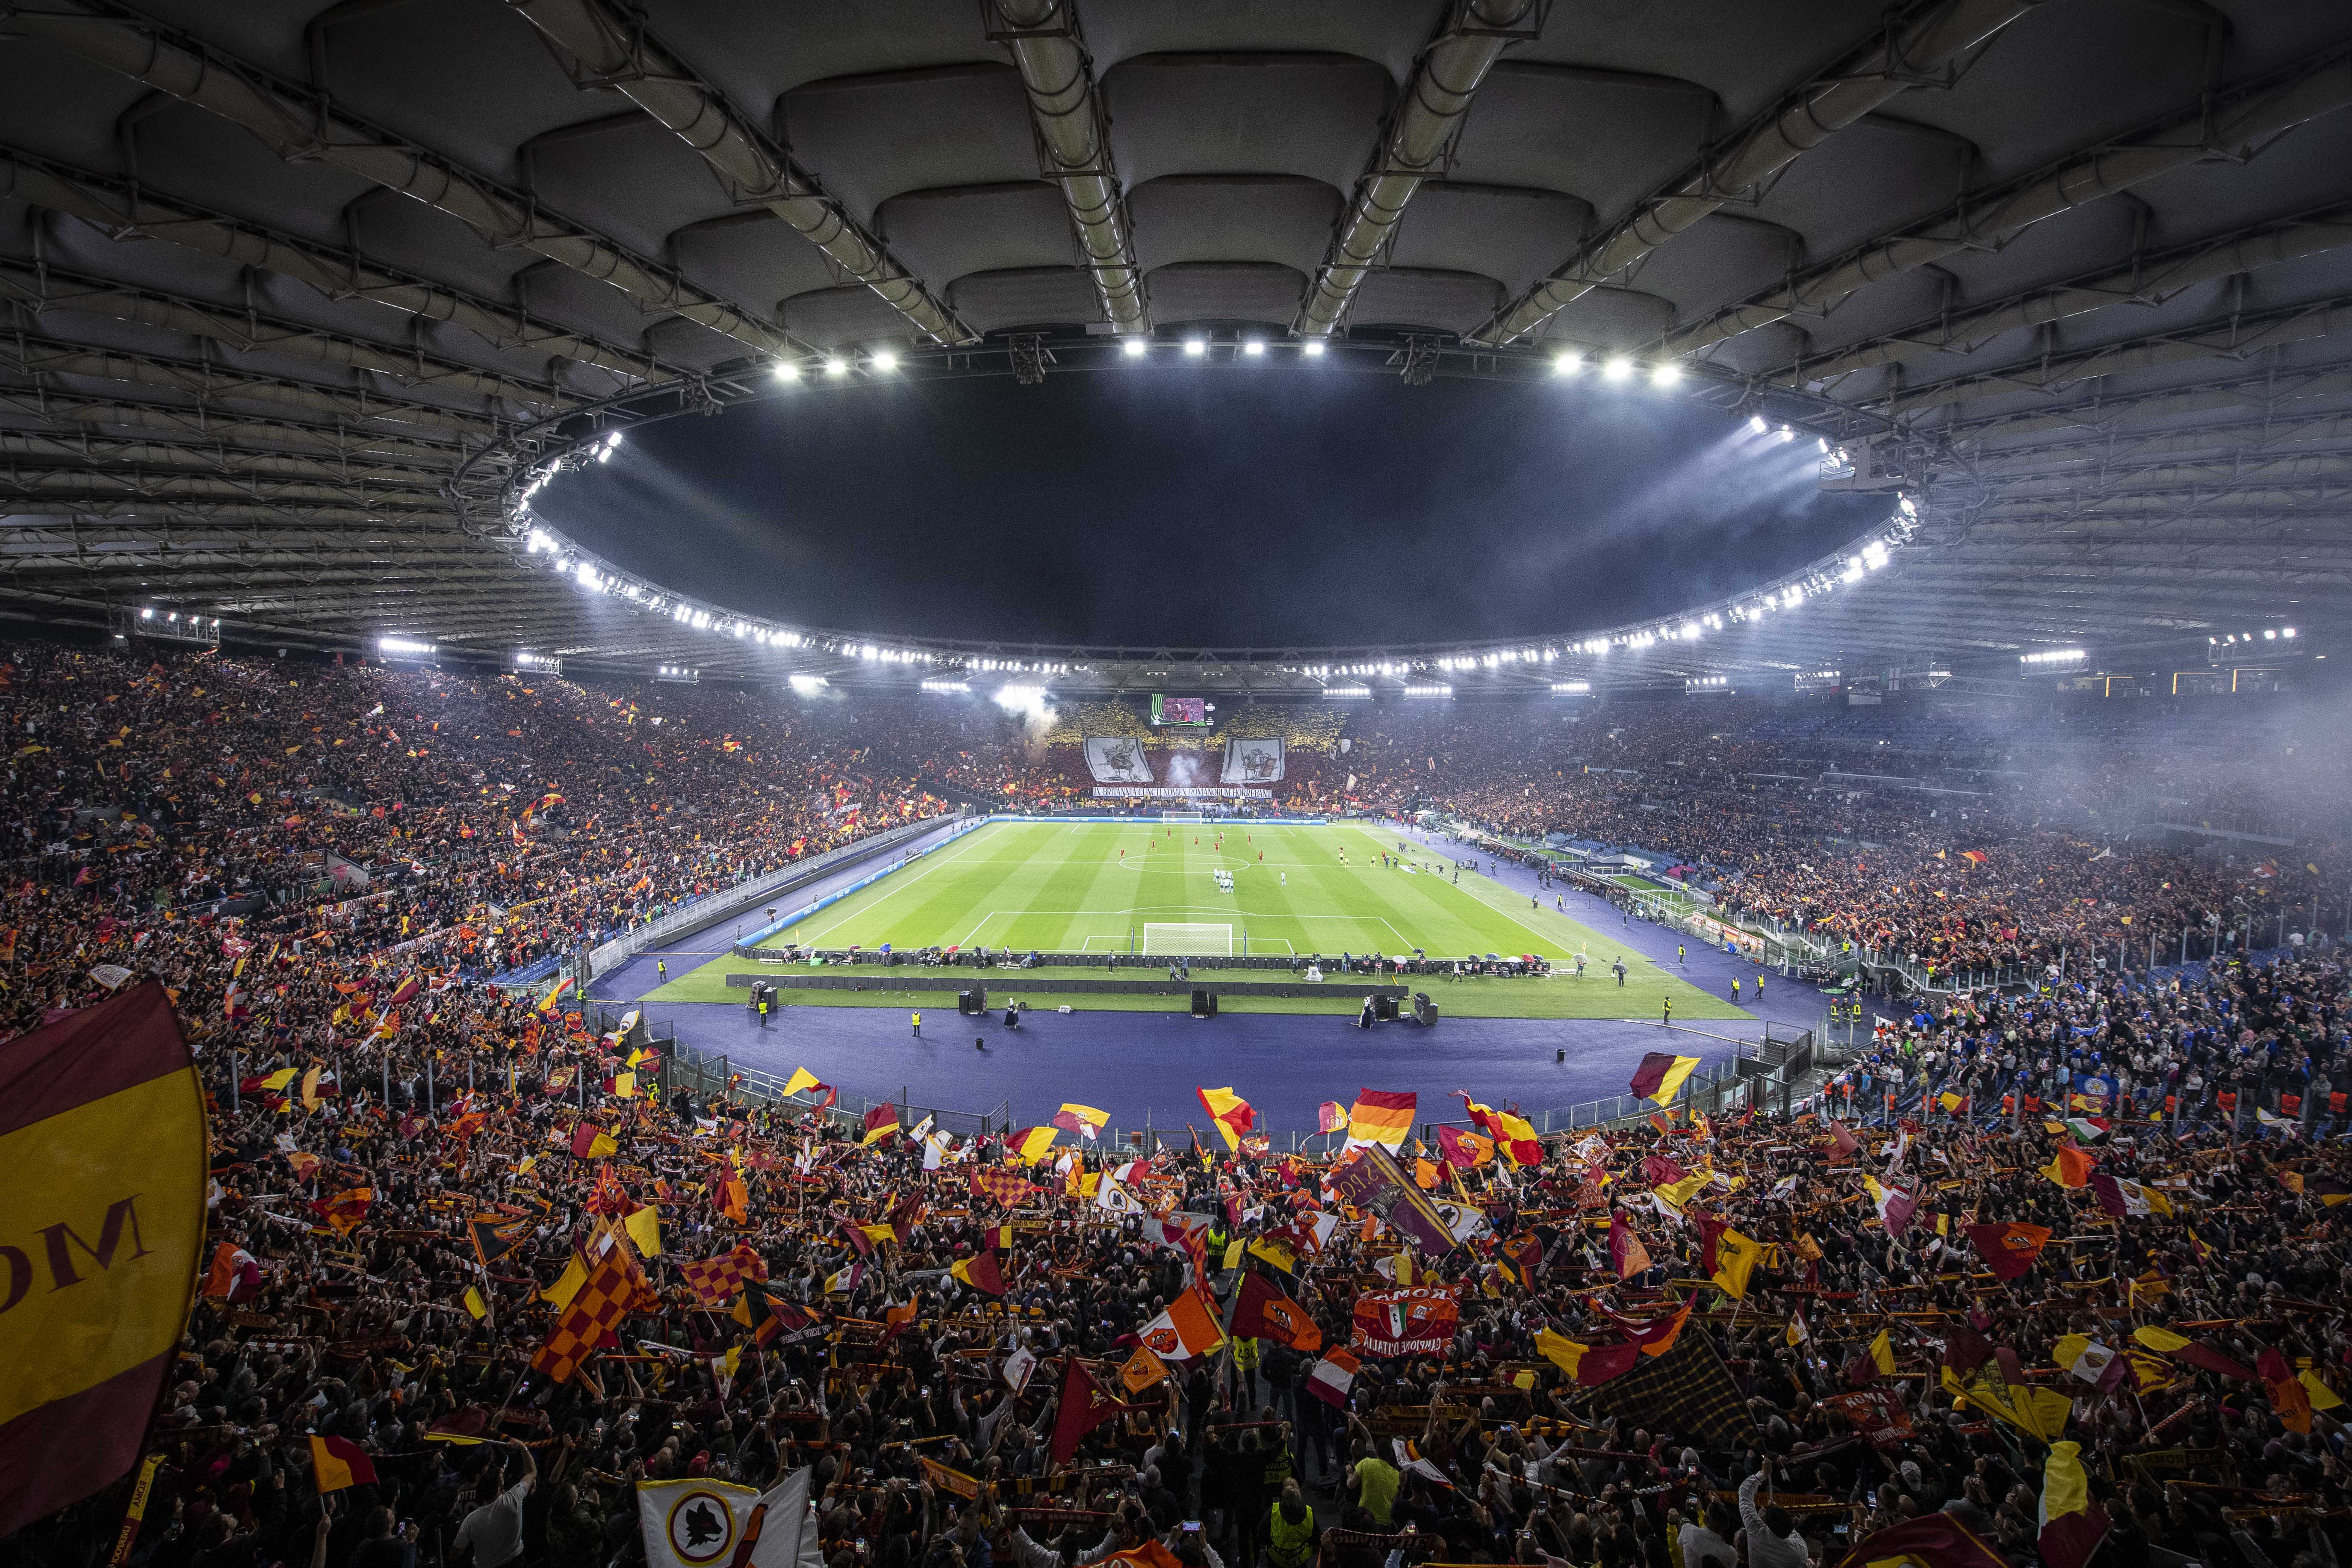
1245	506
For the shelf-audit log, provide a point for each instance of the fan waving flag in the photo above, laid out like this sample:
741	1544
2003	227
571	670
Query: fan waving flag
1331	1117
1185	1329
1230	1113
336	1463
980	1273
1660	1074
590	1141
1083	1120
1382	1116
102	1141
1085	1406
880	1122
1332	1376
1263	1312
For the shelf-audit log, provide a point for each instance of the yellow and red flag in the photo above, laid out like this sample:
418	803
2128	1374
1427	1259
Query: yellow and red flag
103	1138
1230	1113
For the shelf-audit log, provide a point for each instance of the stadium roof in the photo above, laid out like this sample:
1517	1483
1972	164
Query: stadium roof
303	297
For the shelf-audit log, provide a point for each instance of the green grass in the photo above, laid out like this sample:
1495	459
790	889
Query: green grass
1062	887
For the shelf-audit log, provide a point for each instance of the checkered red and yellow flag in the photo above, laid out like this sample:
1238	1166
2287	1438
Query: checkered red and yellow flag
1006	1187
716	1281
587	1322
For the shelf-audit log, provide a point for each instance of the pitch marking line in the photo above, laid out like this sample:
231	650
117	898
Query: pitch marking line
938	859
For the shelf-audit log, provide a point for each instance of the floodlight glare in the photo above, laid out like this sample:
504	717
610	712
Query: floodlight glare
1665	376
1195	347
1132	347
1567	363
837	365
885	360
1314	348
1618	368
1756	423
787	371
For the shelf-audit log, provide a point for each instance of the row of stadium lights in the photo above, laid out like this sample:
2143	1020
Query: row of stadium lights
1786	596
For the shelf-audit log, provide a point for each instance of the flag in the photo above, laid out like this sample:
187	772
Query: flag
586	1323
2072	1524
344	1212
1185	1329
476	1306
802	1081
1031	1144
1660	1074
980	1273
2069	1167
233	1268
771	1320
2289	1401
1930	1541
1463	1150
2009	1249
2093	1362
1895	1206
1331	1117
1263	1312
1734	1260
2164	1341
880	1122
1421	1321
699	1523
336	1463
495	1236
1589	1366
643	1226
1686	1390
716	1280
1515	1138
1381	1116
2119	1198
1229	1113
1844	1146
567	1284
1627	1255
1083	1120
1141	1371
1085	1406
590	1141
1331	1377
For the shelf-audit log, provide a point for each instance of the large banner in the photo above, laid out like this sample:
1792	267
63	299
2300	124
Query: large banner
1180	792
1253	762
1118	761
103	1157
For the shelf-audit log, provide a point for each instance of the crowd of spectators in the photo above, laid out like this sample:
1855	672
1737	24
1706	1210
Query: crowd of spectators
1693	1341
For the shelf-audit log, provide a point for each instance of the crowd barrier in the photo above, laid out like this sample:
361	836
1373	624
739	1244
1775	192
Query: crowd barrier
926	979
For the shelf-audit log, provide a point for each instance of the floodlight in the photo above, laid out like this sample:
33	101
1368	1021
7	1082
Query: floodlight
1568	364
1254	347
1195	347
1132	347
787	371
1313	348
837	365
885	360
1618	368
1665	376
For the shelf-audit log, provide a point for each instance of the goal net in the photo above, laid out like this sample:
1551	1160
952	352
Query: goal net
1183	816
1192	941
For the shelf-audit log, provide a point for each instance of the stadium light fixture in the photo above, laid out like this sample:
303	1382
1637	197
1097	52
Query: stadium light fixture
1618	368
403	647
1313	348
1347	691
951	686
1429	692
1133	348
1029	699
2054	656
837	365
885	360
2284	631
1666	375
148	614
1572	687
1567	363
787	371
1255	348
1756	424
1873	555
1195	347
809	685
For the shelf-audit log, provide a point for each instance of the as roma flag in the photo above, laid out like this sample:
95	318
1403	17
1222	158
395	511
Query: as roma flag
102	1139
1263	1312
2009	1250
1084	1406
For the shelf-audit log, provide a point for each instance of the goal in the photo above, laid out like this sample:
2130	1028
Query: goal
1183	816
1187	939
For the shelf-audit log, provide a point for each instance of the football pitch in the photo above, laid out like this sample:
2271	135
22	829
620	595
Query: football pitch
1206	892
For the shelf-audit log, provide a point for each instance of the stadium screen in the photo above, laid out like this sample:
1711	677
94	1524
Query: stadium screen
1181	710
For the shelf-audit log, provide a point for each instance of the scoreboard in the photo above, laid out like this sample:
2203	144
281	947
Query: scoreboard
1181	711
